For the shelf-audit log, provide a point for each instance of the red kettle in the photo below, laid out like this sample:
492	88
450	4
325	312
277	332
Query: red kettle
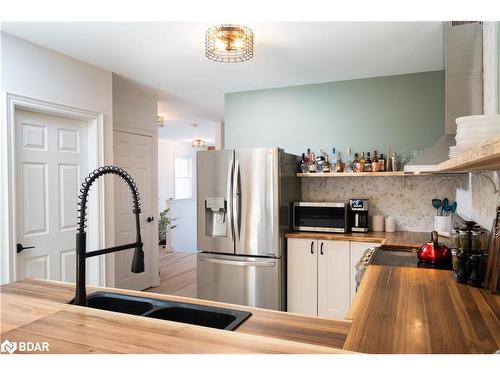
434	252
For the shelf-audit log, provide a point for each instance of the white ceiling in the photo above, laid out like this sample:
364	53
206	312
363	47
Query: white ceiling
170	56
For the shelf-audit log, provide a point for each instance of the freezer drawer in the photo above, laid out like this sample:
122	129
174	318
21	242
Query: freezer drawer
249	281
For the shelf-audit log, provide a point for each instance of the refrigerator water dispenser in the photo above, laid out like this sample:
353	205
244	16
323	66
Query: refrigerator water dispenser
215	217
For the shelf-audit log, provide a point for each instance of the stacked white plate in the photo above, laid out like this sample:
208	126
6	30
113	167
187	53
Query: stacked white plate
474	131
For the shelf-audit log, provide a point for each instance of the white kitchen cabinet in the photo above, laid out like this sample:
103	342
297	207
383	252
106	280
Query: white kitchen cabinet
357	250
333	278
302	276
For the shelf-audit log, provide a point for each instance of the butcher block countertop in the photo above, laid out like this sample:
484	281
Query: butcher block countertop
414	310
37	310
394	240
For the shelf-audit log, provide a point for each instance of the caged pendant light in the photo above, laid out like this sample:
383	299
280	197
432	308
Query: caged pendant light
229	43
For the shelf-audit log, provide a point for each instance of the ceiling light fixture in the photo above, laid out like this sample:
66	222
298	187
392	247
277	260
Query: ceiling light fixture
229	43
198	143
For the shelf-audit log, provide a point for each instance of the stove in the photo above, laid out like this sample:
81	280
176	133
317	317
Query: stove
394	258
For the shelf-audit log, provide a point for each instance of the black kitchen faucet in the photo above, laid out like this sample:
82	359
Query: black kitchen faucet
81	235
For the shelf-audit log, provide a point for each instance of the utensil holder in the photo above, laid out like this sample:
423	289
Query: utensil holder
442	225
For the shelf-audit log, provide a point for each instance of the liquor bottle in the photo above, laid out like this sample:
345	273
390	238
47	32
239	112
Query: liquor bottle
339	165
308	156
362	160
375	165
368	162
334	160
326	163
320	161
312	163
388	162
358	167
348	163
304	168
381	163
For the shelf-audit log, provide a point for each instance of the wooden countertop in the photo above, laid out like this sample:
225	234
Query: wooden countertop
37	310
394	240
413	310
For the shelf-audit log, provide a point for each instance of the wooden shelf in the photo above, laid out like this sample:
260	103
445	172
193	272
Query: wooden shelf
482	158
360	174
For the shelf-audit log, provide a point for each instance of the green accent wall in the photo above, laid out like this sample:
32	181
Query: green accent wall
405	112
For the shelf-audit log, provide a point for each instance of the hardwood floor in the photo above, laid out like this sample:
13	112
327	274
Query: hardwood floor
177	274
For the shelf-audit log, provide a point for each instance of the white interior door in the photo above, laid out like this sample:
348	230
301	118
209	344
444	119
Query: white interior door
51	160
134	153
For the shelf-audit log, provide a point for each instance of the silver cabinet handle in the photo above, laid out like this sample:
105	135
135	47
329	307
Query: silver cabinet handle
239	263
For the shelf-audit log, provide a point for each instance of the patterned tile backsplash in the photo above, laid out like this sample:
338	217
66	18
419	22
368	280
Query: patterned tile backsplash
410	205
478	201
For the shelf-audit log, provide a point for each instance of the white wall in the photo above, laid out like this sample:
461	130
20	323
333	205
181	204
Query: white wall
135	110
183	238
37	72
134	105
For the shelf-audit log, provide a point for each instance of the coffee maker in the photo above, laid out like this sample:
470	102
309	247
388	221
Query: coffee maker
358	215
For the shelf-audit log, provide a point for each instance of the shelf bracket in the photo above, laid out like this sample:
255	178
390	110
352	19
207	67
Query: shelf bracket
495	183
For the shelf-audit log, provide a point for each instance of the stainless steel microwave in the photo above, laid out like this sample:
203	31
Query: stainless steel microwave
320	217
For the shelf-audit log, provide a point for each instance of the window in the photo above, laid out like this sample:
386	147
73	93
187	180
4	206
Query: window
183	177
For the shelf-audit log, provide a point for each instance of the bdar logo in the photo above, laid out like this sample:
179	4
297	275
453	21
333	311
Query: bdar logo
9	347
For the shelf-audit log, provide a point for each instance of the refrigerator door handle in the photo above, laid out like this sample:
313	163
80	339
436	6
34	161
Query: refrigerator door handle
240	263
236	200
230	196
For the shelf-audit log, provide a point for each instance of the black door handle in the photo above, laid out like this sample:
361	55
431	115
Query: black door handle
21	247
312	245
150	219
321	248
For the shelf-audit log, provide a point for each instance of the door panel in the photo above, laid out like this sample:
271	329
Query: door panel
256	202
214	170
241	280
51	159
302	276
333	278
357	250
134	154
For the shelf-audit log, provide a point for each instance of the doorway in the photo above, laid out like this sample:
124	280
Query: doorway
178	144
134	153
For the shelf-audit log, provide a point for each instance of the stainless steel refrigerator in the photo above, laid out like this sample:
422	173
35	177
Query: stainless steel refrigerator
244	210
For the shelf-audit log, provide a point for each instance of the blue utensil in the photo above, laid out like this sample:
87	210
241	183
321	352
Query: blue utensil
452	208
436	203
444	205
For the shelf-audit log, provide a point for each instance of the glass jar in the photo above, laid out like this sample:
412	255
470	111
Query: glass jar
483	240
464	240
475	240
455	237
455	259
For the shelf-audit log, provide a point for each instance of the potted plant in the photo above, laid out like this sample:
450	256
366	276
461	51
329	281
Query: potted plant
163	224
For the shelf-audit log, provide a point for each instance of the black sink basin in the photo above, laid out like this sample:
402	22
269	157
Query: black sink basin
207	316
131	305
198	315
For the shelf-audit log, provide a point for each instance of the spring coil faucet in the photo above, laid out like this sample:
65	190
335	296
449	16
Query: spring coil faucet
81	235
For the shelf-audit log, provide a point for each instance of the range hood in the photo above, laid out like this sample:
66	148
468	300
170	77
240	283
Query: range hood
463	59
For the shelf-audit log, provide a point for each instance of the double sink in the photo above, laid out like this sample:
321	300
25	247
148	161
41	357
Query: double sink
207	316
